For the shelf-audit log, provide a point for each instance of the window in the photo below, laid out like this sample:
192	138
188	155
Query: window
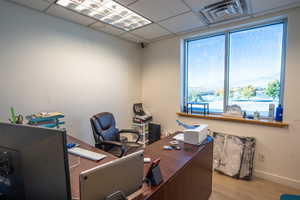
243	67
205	73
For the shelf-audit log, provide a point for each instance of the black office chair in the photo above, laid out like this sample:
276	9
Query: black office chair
107	136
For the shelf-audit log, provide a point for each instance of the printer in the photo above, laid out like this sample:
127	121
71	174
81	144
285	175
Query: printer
196	135
140	116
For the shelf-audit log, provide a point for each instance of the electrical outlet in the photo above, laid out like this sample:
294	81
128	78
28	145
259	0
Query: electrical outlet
261	157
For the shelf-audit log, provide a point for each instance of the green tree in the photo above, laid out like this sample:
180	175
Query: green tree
273	89
219	92
248	91
232	92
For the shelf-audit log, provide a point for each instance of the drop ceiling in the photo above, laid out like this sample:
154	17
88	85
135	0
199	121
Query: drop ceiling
168	17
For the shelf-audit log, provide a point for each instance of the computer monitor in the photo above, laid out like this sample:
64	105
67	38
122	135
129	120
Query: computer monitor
36	161
124	174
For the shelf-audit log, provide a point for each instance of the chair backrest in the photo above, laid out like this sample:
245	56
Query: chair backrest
104	127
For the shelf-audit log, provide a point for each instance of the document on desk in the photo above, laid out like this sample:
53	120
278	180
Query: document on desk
86	154
179	137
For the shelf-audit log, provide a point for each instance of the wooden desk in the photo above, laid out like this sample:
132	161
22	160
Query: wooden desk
187	173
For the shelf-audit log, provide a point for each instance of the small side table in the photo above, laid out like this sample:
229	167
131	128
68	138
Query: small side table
204	104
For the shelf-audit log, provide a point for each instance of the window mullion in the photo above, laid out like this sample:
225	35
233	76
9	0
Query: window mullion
184	77
283	61
226	71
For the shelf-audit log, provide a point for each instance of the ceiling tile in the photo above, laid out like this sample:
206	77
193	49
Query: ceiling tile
35	4
64	13
111	30
133	38
98	25
125	2
157	10
182	23
198	4
264	5
151	31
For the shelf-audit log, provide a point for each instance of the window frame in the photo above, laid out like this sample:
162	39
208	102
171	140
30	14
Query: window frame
226	33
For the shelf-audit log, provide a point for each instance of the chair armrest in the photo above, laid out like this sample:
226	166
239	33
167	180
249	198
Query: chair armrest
113	143
132	132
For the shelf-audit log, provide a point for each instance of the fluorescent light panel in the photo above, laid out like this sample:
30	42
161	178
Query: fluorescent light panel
107	11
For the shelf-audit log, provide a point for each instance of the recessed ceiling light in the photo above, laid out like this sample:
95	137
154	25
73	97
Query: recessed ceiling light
107	11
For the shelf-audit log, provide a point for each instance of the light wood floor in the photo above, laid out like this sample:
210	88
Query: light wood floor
226	188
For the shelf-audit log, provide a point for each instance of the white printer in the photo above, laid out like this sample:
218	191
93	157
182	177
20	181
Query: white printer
197	135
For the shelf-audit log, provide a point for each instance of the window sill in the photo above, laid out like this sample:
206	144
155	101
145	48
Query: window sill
233	119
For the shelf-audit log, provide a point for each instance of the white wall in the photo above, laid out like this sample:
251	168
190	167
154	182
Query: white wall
161	95
48	64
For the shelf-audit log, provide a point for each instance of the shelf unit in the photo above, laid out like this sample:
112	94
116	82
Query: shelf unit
143	129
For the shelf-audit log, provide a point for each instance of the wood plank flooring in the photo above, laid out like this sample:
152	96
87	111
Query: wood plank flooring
226	188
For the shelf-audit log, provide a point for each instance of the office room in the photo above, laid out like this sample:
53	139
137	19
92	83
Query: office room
149	99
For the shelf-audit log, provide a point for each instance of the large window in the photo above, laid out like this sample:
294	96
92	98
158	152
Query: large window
243	67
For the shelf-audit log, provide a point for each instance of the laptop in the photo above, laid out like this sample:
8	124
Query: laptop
124	174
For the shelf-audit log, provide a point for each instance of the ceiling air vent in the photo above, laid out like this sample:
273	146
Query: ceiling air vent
224	10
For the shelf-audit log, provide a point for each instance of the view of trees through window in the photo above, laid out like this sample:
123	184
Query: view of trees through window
206	71
253	65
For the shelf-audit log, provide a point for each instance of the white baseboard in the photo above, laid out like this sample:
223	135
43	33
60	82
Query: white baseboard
277	179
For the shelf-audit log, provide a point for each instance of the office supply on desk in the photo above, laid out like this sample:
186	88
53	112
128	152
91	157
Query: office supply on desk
174	142
167	147
43	162
107	135
72	145
179	137
197	135
86	154
124	174
176	147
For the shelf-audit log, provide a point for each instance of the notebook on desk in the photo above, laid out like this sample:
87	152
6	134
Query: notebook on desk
86	154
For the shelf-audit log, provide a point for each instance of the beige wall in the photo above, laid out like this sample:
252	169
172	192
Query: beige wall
48	64
161	94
